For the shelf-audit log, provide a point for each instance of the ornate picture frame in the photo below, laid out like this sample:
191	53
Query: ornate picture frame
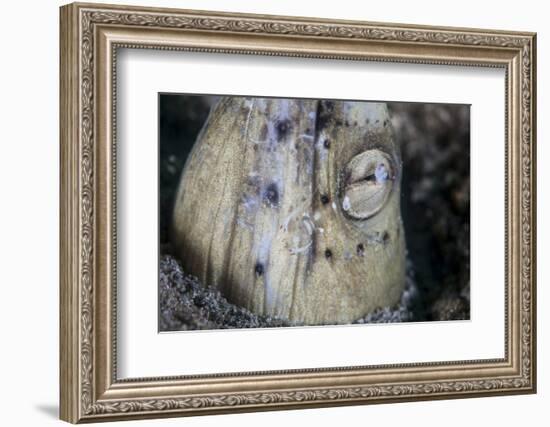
90	37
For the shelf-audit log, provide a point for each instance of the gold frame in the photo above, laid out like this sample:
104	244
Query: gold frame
90	36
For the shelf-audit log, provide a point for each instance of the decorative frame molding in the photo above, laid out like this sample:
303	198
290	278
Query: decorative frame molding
90	36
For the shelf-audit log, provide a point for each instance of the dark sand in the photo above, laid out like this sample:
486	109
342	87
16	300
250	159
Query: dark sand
186	305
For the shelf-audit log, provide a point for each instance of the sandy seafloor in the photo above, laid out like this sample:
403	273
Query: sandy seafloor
434	141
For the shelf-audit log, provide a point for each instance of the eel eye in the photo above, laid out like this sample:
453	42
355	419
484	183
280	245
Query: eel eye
368	181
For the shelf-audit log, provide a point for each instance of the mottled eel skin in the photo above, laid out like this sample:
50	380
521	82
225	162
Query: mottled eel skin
292	208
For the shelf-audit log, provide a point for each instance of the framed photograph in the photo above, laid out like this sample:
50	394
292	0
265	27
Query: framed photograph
267	212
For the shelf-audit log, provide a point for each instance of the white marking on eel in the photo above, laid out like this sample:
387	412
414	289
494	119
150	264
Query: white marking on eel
346	205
